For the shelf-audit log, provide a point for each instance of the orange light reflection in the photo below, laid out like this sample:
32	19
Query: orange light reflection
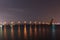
30	31
12	32
25	32
19	31
5	34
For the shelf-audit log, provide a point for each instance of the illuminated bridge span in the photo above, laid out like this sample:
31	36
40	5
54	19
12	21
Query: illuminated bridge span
15	30
23	29
3	26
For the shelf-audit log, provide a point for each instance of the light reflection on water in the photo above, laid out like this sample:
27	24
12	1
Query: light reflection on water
12	32
35	32
5	34
1	30
19	31
30	31
53	32
44	33
25	32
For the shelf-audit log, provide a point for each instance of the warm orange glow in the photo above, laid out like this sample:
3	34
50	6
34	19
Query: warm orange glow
43	23
25	32
19	30
30	31
35	31
5	34
24	22
43	32
12	22
18	22
35	22
5	22
39	22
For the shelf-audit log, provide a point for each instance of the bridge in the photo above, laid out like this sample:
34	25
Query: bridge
3	27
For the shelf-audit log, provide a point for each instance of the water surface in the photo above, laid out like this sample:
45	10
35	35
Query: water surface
30	32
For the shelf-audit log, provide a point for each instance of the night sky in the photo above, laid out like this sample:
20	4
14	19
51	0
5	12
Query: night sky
40	10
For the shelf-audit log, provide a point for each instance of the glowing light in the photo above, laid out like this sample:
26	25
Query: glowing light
43	23
18	22
25	32
19	29
56	23
39	22
30	31
5	22
35	22
30	22
12	22
12	33
35	31
24	22
1	23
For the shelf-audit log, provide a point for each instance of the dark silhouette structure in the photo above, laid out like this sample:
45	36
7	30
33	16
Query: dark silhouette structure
51	21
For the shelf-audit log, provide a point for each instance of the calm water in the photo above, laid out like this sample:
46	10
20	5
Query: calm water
30	32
